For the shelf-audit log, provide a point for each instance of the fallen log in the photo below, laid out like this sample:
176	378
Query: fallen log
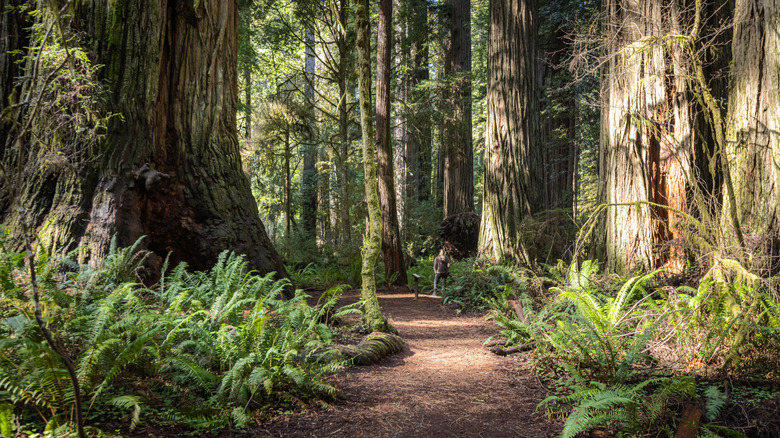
371	350
512	350
690	422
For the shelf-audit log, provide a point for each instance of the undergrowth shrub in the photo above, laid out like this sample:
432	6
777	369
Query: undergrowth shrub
203	350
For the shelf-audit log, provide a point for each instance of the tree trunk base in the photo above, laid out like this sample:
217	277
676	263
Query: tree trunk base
460	233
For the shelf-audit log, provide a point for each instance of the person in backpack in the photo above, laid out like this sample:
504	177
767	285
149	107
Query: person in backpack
441	270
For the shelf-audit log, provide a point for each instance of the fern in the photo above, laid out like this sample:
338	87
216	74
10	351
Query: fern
127	402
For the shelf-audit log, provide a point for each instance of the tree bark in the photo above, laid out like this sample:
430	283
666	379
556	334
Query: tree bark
309	176
418	146
13	42
170	169
456	145
513	185
457	154
372	244
344	228
646	136
753	120
392	247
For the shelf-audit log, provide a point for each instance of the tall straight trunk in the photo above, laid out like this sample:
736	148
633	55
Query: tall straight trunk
287	189
309	176
646	137
418	134
13	42
457	150
392	247
344	228
556	133
247	103
170	169
513	182
400	95
753	121
372	244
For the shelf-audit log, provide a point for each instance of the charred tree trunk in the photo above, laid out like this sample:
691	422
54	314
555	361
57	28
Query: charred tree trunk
170	169
392	247
646	136
513	184
753	121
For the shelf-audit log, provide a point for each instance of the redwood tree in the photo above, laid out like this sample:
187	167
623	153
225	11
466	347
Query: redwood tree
646	135
513	182
753	121
392	247
169	167
457	149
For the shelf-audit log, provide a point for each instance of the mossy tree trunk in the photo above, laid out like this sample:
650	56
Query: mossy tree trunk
392	247
169	168
513	182
372	242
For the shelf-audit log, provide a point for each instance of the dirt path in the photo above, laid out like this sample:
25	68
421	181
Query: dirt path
444	384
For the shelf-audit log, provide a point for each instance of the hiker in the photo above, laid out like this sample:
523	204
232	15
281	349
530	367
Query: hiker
441	270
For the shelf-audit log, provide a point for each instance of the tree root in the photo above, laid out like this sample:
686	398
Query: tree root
376	346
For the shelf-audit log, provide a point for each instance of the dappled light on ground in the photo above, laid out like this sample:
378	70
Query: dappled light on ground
443	384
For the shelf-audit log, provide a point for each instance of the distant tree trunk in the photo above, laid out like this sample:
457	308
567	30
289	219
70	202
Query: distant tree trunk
171	168
392	247
287	190
372	244
456	135
344	228
556	136
400	95
418	133
753	121
247	103
646	137
13	42
309	176
457	150
513	182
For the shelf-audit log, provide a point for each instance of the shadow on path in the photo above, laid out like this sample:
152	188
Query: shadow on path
444	384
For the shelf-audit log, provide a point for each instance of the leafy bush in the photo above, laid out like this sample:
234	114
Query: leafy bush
202	349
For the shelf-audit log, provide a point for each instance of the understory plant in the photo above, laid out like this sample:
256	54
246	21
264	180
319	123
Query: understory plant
202	350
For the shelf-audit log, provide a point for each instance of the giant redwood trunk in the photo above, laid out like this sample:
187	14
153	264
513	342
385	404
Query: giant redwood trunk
646	136
513	182
392	247
457	154
169	168
753	121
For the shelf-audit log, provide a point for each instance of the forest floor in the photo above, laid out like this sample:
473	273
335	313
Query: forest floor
443	384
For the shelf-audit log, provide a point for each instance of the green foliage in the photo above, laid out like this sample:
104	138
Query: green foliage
203	349
633	408
591	335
